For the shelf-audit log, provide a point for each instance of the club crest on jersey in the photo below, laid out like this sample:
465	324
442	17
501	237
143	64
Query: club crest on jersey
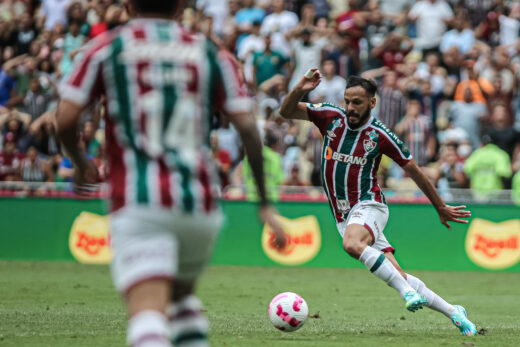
369	145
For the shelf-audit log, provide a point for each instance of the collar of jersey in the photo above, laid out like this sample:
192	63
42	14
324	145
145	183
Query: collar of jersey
366	125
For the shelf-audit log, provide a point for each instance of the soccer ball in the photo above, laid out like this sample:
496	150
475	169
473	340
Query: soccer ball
288	311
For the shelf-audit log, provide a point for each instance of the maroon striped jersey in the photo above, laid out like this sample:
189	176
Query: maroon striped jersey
351	157
162	85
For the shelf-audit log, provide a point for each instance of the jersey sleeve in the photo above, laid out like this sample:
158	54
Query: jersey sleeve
392	146
322	114
83	83
232	94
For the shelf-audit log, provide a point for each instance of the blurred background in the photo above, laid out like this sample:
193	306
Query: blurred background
447	73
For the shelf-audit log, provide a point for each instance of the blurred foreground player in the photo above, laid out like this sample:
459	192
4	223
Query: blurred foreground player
161	86
354	142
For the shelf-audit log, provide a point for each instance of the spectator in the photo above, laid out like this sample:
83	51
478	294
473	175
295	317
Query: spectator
273	171
487	168
217	10
268	63
351	23
252	43
26	34
246	18
510	25
332	86
451	169
393	50
305	54
294	179
277	24
431	17
502	135
37	100
468	115
34	169
392	100
9	160
416	130
54	12
460	36
346	57
72	42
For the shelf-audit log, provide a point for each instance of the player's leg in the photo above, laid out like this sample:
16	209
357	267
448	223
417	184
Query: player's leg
362	230
196	235
147	302
143	267
435	302
188	324
456	313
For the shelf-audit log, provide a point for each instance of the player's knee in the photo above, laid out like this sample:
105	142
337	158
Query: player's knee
353	248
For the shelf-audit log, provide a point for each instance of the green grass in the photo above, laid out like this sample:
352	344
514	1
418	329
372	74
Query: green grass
67	304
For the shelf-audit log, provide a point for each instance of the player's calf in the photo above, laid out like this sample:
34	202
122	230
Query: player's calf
148	325
188	325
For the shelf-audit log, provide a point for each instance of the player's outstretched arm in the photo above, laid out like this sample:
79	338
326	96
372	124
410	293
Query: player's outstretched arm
446	213
246	127
291	107
67	119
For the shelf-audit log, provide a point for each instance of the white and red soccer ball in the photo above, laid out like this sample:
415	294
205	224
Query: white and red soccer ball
288	311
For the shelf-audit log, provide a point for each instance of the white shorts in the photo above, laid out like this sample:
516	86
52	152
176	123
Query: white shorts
373	216
156	243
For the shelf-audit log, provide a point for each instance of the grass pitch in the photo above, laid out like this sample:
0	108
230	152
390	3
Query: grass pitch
67	304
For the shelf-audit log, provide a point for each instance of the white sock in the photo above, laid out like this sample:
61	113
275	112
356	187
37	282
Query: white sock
188	325
377	263
435	302
148	329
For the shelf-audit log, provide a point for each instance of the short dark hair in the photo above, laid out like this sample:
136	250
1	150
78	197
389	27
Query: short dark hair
156	6
368	85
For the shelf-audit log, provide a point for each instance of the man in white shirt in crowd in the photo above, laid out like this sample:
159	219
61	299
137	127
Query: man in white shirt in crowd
306	54
431	17
277	24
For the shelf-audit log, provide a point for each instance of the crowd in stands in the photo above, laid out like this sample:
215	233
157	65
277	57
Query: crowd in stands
447	74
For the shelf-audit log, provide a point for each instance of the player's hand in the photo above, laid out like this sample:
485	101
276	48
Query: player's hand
453	214
86	178
268	216
306	84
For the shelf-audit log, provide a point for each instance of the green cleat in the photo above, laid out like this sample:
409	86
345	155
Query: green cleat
461	321
414	301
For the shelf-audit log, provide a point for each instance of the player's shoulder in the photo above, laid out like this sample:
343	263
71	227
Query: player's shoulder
385	131
326	107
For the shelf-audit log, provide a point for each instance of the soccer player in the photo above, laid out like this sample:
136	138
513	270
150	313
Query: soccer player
161	85
354	142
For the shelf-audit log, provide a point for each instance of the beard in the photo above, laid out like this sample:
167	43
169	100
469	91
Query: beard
361	118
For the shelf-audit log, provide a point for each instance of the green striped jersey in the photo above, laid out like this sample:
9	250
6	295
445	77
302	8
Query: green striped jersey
351	157
161	86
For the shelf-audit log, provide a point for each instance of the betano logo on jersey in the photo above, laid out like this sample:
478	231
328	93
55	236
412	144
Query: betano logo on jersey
494	245
303	241
344	158
89	240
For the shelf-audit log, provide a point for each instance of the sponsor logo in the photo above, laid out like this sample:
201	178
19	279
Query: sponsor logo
337	123
494	245
303	241
89	239
331	135
344	158
174	52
